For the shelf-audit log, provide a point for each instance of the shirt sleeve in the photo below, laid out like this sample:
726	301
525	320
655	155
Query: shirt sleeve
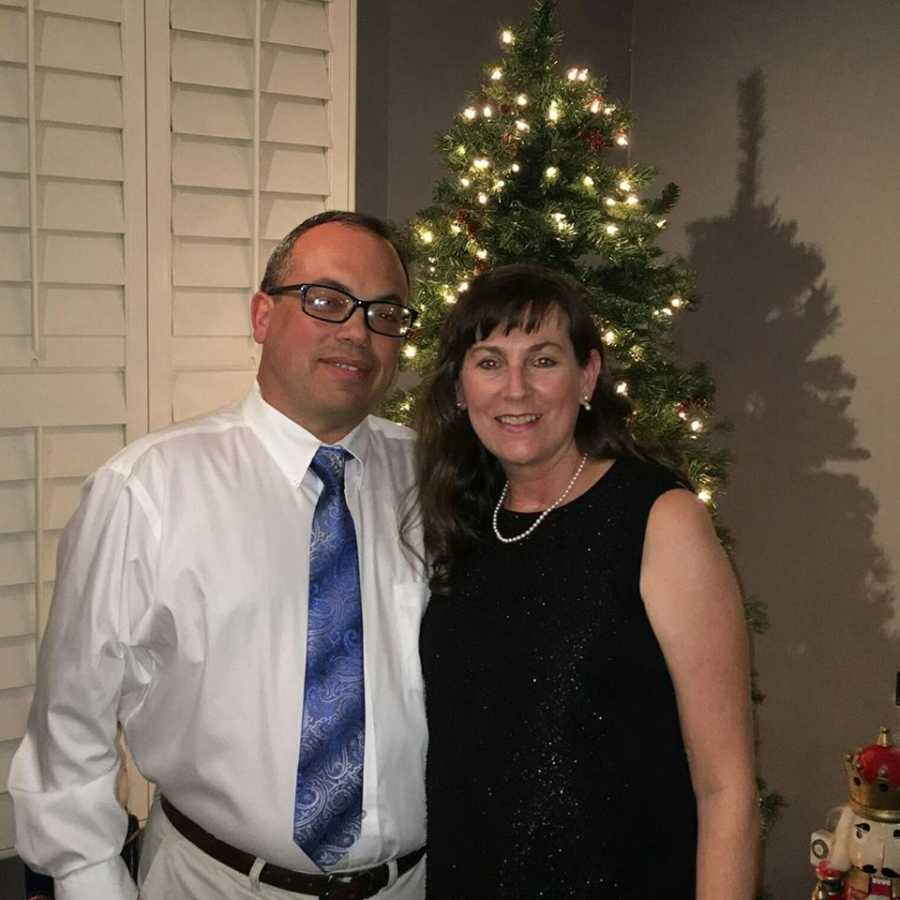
62	779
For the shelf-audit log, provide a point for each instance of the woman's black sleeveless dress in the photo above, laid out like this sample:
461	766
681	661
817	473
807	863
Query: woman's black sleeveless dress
556	767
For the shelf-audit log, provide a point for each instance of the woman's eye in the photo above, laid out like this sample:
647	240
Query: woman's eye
545	362
487	364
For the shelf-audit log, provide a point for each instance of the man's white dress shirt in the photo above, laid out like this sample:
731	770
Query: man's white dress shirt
181	611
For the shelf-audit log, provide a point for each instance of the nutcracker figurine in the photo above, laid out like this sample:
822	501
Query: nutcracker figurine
860	858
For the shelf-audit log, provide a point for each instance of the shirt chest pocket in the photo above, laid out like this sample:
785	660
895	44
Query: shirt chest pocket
409	601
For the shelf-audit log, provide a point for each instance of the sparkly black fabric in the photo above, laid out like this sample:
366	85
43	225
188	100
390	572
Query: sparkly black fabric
556	767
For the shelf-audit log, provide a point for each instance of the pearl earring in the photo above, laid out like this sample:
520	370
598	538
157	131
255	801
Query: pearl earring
586	403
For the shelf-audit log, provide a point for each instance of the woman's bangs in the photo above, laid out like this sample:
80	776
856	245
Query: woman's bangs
526	314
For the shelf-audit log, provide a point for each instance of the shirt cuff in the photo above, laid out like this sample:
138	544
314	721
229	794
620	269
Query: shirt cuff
108	880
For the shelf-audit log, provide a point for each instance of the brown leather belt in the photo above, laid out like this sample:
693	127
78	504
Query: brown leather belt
337	886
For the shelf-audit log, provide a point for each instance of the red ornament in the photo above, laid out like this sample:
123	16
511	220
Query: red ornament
594	140
464	217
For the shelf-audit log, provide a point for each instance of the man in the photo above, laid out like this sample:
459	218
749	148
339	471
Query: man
235	592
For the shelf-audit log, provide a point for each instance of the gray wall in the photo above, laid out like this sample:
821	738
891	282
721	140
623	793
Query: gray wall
418	59
778	120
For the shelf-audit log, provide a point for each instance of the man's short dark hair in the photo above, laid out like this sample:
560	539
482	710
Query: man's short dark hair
280	261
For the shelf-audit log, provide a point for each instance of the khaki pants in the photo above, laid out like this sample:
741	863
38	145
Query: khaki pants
172	868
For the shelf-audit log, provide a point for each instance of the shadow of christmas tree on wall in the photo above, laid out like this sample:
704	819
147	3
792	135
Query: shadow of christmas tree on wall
804	530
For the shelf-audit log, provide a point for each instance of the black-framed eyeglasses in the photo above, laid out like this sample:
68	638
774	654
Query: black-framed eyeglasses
331	304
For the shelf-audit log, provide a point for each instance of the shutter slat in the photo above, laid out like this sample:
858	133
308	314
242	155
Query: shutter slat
292	120
13	91
201	353
15	310
14	706
200	311
211	263
16	508
16	352
15	262
196	392
16	455
62	398
85	352
204	162
211	213
73	310
76	452
96	9
50	545
81	205
79	98
213	112
295	71
229	18
202	213
82	258
7	748
211	61
302	170
16	567
77	152
17	664
16	611
13	30
14	201
61	496
279	213
14	147
283	21
79	44
298	23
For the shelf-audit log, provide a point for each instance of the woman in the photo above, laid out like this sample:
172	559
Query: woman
584	653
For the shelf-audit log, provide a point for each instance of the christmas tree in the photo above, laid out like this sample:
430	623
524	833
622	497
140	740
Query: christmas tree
537	171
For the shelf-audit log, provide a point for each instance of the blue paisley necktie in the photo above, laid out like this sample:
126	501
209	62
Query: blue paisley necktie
328	801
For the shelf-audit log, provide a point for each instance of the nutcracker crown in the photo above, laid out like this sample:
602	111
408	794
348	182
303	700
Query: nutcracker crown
873	779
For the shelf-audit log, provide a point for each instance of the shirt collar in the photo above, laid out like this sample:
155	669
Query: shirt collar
291	445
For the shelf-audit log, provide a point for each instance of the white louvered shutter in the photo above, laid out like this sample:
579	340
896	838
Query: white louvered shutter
250	132
73	343
115	216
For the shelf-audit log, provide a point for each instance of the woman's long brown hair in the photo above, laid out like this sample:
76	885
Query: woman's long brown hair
459	480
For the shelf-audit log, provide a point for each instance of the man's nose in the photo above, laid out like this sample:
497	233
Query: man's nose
355	328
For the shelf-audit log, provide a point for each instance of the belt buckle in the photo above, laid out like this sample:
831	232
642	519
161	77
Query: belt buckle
342	887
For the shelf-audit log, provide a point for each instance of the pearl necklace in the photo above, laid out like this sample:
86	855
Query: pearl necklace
543	515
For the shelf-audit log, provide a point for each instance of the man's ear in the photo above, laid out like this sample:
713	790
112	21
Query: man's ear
261	307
